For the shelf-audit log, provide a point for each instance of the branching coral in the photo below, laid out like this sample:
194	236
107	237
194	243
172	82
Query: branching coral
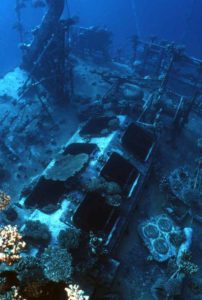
16	295
4	200
30	276
12	294
186	266
11	244
75	293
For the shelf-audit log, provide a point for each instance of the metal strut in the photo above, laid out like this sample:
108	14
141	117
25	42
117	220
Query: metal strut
19	27
134	10
188	21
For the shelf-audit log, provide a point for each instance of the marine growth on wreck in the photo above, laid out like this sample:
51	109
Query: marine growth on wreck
100	153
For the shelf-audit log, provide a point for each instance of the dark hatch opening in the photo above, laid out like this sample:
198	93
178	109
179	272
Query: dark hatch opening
46	192
119	170
78	148
95	126
94	214
137	141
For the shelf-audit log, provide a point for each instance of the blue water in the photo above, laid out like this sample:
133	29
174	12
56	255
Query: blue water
175	20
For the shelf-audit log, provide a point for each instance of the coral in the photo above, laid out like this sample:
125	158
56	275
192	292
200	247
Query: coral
157	290
4	200
195	285
57	264
164	184
110	190
33	289
84	260
29	269
16	295
75	293
103	186
11	214
132	92
165	288
4	173
173	286
177	238
113	123
11	244
96	245
12	294
199	144
180	181
66	166
186	266
36	233
69	238
185	246
114	200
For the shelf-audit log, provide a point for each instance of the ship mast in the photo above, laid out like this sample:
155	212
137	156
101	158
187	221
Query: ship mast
19	27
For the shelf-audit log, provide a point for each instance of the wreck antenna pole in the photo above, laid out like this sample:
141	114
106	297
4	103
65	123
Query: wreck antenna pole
134	10
68	16
188	21
19	19
68	8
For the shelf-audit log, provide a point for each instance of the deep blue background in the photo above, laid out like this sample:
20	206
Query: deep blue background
175	20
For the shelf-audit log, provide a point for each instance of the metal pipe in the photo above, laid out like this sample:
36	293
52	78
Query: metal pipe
47	28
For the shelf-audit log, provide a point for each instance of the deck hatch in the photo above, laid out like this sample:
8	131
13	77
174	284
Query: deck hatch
119	170
94	214
137	141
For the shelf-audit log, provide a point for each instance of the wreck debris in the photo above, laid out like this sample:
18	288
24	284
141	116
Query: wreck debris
18	25
112	153
156	234
198	177
49	44
51	20
93	41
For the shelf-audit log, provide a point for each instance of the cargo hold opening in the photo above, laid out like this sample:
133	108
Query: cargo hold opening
119	170
138	141
94	214
78	148
95	126
46	192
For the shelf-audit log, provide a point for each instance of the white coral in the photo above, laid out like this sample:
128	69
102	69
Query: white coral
75	293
